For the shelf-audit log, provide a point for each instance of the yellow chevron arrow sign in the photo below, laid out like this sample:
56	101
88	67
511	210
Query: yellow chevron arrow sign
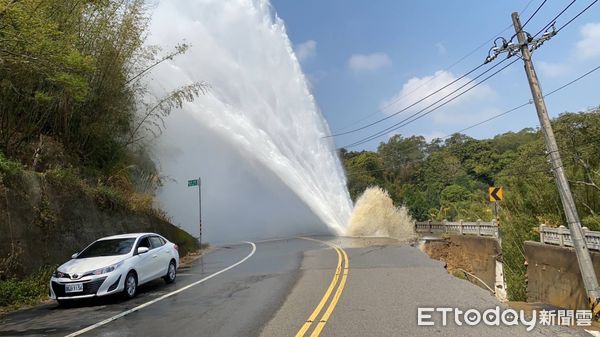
495	194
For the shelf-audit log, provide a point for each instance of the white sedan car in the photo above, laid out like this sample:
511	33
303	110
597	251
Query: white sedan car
115	264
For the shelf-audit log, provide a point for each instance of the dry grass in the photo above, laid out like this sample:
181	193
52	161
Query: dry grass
189	258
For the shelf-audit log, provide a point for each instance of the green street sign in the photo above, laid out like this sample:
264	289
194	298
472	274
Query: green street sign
193	182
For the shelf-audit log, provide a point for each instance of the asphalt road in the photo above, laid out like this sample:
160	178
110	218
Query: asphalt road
293	287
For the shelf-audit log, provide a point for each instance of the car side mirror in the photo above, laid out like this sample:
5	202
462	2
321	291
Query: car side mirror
74	256
142	250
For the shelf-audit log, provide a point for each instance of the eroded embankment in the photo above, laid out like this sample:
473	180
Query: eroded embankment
45	218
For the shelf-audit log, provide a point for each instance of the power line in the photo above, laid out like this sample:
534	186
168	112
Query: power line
553	21
389	104
548	34
576	16
394	101
591	283
494	117
524	104
515	108
533	155
531	17
462	93
571	82
407	121
407	107
523	10
534	13
484	121
416	116
514	48
585	144
421	113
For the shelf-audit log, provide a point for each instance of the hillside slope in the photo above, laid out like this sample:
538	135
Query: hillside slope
46	217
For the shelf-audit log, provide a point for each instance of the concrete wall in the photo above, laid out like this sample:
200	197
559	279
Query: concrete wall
474	254
43	222
553	275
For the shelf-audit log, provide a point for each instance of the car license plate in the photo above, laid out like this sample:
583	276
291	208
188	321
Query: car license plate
73	287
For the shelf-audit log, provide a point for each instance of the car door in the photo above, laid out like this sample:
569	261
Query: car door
162	256
146	261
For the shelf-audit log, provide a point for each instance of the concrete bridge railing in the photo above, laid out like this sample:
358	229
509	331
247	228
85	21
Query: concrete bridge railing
562	237
459	228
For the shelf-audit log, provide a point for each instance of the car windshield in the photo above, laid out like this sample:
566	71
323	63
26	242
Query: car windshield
107	248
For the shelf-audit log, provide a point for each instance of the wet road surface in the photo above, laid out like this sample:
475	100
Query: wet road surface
324	286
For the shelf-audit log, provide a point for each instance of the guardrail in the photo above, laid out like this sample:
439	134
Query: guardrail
560	236
478	227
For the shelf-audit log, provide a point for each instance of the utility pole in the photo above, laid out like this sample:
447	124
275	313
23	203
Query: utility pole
583	256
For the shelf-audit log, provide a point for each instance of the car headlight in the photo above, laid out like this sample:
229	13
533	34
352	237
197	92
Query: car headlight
58	274
105	270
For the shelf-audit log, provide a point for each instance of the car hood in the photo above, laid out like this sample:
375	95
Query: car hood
91	263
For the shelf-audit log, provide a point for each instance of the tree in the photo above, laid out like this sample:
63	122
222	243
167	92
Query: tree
448	180
73	72
363	169
400	155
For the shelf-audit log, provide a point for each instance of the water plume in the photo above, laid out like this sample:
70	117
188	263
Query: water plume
256	138
374	214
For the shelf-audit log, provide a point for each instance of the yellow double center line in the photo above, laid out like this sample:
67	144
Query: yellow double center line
341	274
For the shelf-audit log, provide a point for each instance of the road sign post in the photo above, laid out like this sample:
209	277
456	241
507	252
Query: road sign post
192	183
495	195
496	210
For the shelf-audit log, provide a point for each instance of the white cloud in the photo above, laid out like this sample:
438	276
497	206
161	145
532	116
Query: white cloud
369	62
467	107
589	45
441	48
549	69
306	50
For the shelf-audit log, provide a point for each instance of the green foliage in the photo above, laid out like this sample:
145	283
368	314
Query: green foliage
454	193
109	198
9	167
592	222
28	291
460	274
449	180
511	141
401	154
186	242
71	72
65	177
74	104
46	217
365	169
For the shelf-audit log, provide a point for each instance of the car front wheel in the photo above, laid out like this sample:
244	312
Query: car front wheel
130	285
171	273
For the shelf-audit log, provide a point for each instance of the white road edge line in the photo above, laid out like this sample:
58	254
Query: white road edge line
141	306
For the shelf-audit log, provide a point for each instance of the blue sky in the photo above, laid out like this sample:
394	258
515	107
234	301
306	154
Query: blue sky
360	55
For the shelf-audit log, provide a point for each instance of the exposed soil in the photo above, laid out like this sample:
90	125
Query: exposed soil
448	252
